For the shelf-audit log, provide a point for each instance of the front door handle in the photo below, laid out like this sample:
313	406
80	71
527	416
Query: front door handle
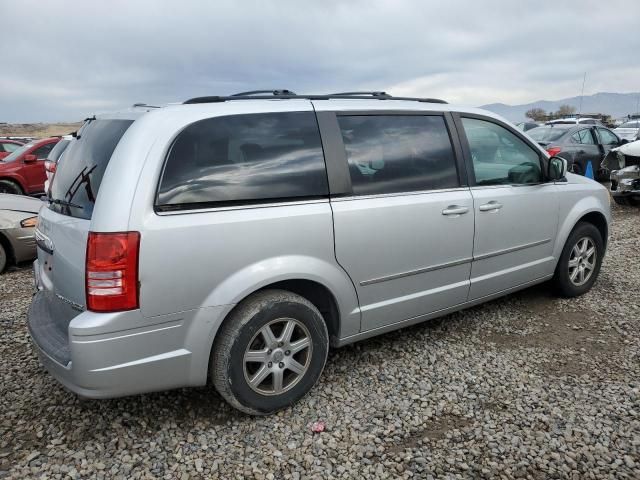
455	210
492	206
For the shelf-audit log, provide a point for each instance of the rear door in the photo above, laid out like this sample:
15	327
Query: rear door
64	225
404	227
586	150
516	211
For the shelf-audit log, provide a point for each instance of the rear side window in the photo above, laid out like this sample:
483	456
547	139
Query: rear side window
583	137
244	158
78	178
398	153
55	153
42	152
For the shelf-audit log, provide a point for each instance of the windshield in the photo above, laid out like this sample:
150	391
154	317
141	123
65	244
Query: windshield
79	176
635	124
16	153
546	134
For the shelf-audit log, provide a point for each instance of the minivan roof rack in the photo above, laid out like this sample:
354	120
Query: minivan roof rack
275	93
288	94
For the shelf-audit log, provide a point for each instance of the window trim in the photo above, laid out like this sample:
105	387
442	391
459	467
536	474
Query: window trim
344	188
201	207
457	118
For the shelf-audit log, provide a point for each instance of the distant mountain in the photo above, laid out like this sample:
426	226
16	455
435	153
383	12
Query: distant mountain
615	104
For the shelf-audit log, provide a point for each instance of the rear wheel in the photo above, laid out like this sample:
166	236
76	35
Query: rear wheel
270	352
580	261
3	258
8	186
577	168
627	200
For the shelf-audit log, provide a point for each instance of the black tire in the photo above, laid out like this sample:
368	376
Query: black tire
9	186
577	168
563	283
621	200
4	259
242	328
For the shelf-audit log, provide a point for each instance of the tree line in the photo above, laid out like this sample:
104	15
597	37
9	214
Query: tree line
540	115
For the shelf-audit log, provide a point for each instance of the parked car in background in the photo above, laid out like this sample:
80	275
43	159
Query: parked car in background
628	131
22	172
51	163
624	164
574	121
233	239
578	144
18	220
526	126
7	147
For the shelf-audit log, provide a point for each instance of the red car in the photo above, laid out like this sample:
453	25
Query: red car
22	172
8	146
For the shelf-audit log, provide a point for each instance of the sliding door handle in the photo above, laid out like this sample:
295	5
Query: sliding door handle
455	210
492	206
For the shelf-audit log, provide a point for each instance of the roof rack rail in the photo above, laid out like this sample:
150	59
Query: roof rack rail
287	95
353	94
144	105
275	93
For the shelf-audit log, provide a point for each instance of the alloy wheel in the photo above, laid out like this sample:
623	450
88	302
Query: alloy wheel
277	357
582	261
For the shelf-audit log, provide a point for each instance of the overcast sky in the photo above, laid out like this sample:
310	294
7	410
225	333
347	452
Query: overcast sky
63	60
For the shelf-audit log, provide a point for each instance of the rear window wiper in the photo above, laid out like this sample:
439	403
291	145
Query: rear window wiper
57	201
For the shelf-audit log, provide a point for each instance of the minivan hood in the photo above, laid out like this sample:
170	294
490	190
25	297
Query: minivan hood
20	203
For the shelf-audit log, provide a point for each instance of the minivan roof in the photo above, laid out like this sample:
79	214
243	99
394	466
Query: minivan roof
339	103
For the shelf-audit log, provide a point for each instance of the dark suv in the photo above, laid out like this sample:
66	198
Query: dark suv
23	172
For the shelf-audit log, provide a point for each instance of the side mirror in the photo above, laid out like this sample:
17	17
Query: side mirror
30	158
557	168
624	141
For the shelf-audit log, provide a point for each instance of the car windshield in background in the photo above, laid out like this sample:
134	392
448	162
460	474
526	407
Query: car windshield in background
16	153
630	125
78	178
546	134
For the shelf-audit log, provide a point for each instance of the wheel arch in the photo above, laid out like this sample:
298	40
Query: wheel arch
14	179
11	257
589	212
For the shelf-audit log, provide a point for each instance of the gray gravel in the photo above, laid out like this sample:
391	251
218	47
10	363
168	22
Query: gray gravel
529	386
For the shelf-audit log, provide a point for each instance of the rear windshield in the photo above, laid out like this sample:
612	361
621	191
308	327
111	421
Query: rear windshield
60	147
78	177
546	134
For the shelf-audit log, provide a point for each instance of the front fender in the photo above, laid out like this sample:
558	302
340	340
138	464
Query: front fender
258	275
572	214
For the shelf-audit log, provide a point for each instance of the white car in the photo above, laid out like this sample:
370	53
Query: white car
629	131
575	120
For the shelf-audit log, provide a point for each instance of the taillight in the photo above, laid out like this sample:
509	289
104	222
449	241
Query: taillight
553	151
50	166
111	275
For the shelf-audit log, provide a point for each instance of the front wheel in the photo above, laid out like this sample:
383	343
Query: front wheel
270	352
580	261
3	258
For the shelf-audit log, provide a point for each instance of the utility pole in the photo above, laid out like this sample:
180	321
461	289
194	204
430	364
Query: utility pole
584	79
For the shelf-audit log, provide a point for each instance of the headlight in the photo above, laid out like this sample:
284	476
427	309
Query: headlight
29	222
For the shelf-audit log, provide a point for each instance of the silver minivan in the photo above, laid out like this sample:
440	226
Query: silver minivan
232	240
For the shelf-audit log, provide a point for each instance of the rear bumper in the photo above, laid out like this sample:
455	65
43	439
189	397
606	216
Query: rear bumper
171	353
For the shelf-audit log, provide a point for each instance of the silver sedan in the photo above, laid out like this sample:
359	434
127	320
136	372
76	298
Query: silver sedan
18	219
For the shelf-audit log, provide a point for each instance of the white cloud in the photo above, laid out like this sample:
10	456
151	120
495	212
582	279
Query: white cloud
74	57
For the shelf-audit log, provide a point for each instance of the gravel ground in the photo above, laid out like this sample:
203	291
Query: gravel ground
529	386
